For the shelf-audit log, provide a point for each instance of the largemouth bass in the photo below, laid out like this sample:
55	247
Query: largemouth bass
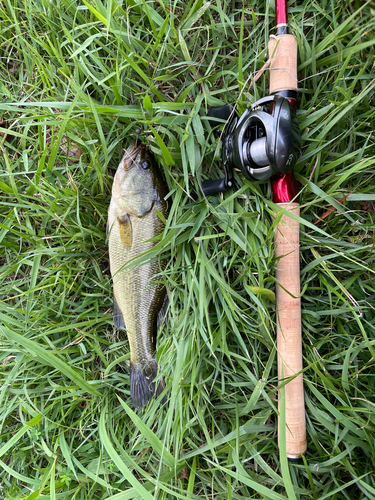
138	191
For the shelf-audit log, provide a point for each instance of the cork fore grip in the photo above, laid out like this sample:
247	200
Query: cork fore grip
289	336
282	50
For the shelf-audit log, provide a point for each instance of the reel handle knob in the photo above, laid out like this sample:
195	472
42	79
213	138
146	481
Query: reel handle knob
214	186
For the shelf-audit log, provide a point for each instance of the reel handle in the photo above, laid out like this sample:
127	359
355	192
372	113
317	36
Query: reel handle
219	114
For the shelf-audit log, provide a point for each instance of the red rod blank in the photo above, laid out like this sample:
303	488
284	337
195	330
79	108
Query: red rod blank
281	12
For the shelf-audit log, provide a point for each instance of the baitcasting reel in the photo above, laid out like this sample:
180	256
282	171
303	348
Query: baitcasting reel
264	141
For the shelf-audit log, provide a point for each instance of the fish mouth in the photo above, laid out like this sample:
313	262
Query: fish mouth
131	154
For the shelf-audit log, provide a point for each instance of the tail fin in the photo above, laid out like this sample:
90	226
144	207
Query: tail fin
142	385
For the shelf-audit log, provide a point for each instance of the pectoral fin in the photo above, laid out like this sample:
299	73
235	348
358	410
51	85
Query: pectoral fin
126	231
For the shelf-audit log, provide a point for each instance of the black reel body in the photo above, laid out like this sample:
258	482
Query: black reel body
264	141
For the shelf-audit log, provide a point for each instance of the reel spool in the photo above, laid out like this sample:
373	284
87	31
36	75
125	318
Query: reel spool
264	141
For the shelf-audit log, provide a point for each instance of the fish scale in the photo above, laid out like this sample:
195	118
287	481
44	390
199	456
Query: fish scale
137	298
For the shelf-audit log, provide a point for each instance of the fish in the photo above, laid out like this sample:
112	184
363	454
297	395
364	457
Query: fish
138	192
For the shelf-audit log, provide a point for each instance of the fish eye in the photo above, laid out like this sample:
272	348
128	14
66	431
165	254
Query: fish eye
145	165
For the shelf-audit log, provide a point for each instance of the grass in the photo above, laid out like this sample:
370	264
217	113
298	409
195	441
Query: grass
76	80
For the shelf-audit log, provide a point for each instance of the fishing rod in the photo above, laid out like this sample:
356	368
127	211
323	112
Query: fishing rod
282	50
264	142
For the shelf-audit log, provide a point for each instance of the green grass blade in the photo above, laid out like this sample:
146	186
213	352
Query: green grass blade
50	358
17	436
119	462
150	436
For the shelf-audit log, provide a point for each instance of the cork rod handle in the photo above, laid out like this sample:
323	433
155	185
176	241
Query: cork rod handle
289	339
282	51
